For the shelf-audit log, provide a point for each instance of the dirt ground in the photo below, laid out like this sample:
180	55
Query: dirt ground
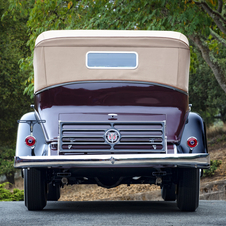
84	192
217	151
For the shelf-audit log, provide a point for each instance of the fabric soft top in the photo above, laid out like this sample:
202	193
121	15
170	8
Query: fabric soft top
60	57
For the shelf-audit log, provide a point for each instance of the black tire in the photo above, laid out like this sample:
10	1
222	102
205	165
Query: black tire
168	192
35	189
53	192
188	189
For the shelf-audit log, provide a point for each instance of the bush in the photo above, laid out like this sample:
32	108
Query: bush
6	162
213	167
6	195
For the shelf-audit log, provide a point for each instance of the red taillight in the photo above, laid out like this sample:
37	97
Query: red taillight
30	141
192	142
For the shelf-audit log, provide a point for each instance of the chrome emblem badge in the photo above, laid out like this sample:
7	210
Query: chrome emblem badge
112	136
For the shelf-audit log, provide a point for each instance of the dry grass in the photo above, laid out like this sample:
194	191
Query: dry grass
216	137
94	192
215	131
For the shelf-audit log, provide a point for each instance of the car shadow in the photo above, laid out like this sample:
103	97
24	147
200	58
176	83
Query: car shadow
121	207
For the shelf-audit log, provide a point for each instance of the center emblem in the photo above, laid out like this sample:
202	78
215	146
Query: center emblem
112	136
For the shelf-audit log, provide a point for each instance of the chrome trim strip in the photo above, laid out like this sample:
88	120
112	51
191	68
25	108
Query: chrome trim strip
49	151
175	149
200	160
42	126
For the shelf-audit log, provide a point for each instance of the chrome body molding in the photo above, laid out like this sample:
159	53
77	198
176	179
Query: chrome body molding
199	160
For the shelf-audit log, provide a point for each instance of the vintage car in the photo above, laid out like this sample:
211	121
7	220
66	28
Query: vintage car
111	108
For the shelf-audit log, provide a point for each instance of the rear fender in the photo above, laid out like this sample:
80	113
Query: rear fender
22	149
194	127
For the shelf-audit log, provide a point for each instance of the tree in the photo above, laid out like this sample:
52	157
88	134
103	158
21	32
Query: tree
203	22
12	48
13	104
205	94
218	32
6	163
199	20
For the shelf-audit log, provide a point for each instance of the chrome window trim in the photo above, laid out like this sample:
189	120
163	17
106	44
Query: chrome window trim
112	68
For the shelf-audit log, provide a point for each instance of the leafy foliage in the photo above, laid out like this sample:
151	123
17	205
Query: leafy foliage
193	18
6	195
13	103
214	164
6	162
205	94
189	17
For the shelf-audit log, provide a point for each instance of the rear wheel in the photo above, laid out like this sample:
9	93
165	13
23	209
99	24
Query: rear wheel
35	189
188	189
168	192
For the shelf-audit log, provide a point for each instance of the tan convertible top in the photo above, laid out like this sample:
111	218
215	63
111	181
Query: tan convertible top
60	57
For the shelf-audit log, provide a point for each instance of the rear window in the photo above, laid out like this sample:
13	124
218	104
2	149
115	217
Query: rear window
112	60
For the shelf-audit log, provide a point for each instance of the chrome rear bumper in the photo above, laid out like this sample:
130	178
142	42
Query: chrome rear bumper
115	160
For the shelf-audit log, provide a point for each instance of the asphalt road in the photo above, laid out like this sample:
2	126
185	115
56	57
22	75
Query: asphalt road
113	213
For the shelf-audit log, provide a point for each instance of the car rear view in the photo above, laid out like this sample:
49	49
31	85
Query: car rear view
111	108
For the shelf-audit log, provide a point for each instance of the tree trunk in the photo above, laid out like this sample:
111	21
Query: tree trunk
10	179
211	61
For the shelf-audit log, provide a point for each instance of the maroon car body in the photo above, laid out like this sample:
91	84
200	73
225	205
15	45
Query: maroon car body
111	107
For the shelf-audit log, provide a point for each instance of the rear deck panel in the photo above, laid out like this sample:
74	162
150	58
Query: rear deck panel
94	101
